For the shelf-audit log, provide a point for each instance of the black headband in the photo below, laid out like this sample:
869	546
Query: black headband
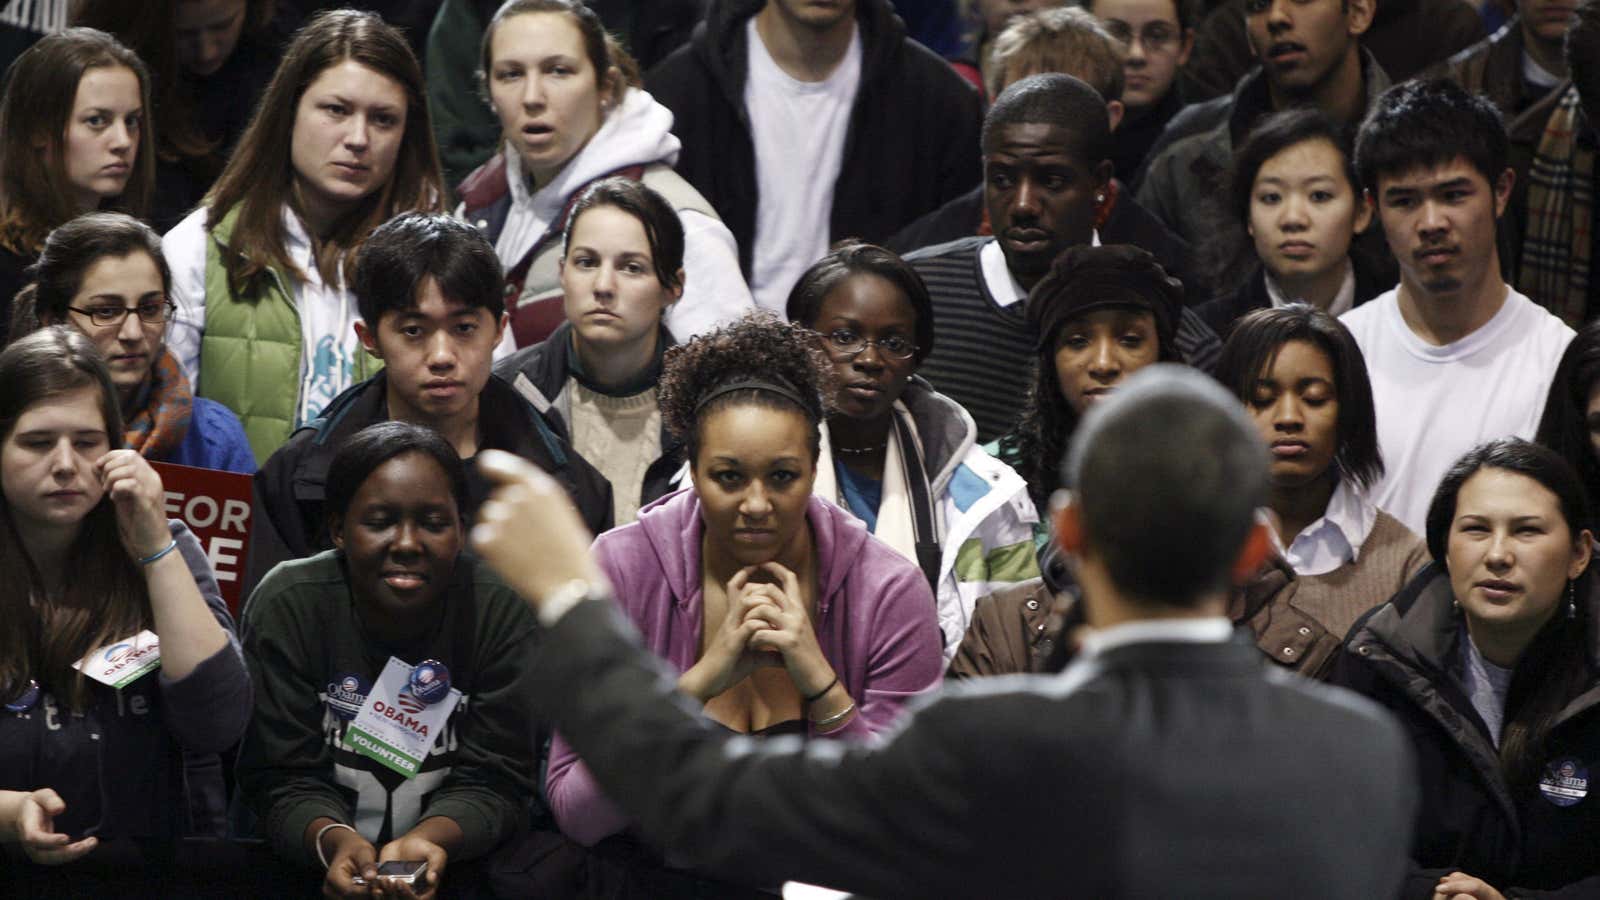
780	387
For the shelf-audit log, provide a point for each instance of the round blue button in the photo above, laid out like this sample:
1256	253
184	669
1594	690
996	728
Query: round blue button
430	681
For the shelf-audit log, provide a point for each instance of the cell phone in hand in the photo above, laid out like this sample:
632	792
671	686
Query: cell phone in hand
404	871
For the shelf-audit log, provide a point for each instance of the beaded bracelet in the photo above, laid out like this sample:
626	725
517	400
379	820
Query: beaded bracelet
159	553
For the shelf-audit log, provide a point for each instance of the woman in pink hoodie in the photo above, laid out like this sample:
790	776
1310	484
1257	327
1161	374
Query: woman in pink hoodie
779	611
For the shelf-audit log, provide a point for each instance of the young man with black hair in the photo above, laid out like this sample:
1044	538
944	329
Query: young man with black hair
808	121
1456	357
430	293
1555	220
1310	55
1047	174
1157	763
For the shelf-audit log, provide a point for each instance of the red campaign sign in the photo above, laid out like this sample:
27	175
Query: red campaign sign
216	507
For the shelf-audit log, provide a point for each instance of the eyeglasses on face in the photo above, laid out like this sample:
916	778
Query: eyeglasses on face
1155	37
847	343
107	315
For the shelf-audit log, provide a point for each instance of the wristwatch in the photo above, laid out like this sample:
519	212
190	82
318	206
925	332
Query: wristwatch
557	602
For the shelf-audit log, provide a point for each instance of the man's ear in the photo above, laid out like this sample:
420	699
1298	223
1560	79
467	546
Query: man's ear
1502	190
1253	554
369	340
1185	48
1364	212
1359	15
1103	172
1067	523
500	327
1115	110
336	531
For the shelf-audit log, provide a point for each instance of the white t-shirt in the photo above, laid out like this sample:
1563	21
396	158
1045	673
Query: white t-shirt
1436	403
798	128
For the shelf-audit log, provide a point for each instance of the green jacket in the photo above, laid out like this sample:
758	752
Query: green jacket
308	655
250	351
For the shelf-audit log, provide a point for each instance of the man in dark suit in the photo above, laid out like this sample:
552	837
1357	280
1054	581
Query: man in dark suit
1164	762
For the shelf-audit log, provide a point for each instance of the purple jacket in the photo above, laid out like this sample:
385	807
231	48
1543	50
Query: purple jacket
875	623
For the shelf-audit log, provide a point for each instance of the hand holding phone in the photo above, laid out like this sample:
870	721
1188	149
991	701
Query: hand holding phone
417	856
410	872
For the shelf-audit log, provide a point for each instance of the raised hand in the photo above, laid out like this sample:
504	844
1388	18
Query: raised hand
529	531
137	496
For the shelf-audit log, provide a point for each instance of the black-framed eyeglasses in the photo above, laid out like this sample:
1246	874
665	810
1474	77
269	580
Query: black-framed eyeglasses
148	313
845	342
1155	37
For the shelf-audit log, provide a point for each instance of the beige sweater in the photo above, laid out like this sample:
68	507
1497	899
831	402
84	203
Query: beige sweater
620	436
1388	559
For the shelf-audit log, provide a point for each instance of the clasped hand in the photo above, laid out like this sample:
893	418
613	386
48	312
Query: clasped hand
766	624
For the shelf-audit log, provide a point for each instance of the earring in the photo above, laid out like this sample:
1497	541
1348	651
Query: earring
1100	198
1572	601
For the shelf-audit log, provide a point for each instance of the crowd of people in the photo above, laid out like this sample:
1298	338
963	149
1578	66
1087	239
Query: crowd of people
1226	373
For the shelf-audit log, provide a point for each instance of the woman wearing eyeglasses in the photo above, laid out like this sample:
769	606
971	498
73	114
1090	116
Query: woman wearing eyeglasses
901	456
103	274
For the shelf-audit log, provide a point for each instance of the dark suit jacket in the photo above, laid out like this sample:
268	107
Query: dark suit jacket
1151	770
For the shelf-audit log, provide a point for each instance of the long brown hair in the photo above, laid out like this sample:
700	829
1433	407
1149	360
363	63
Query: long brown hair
261	173
105	598
40	89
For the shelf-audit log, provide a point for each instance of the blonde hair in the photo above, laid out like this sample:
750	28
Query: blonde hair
1064	39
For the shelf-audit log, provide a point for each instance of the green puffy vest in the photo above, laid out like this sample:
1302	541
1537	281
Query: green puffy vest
250	351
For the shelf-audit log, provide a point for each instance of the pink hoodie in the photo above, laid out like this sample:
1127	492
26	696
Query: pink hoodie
875	622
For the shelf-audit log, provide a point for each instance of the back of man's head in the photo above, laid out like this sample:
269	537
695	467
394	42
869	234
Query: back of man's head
408	248
1066	39
1166	475
1427	124
1058	100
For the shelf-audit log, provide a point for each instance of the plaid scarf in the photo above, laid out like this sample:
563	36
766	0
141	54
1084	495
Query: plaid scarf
1555	251
158	427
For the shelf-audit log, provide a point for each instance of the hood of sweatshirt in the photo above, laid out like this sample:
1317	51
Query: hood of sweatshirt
672	528
638	132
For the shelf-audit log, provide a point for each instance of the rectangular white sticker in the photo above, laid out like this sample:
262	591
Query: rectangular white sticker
393	726
123	662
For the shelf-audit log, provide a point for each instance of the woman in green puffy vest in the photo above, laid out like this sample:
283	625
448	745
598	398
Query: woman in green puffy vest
340	143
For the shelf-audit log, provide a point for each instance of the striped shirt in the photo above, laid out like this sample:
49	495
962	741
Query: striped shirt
982	352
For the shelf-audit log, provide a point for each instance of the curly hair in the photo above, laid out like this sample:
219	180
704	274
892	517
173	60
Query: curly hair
758	346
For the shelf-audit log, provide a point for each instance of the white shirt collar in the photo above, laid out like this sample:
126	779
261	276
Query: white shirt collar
1343	301
1209	630
1002	285
1335	539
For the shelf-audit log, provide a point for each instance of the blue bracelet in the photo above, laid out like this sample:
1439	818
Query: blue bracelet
160	553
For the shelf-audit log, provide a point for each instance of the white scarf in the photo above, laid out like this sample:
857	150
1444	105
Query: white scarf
896	524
